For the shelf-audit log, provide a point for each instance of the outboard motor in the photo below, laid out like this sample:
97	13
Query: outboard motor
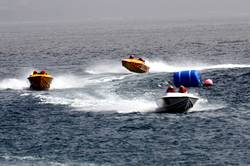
189	78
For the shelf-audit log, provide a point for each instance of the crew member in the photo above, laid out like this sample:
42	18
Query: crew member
141	59
131	56
170	89
43	72
182	89
35	72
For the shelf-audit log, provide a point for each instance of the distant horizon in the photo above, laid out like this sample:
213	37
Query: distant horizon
135	20
94	10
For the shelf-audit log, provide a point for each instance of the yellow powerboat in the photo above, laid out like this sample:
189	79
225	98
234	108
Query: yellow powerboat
40	81
136	65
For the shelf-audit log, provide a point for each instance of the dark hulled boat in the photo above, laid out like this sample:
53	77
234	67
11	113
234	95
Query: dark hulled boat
176	103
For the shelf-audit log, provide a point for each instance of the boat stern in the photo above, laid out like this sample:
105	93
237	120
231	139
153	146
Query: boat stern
40	81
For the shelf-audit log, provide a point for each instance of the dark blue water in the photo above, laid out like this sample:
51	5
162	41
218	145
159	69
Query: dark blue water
97	113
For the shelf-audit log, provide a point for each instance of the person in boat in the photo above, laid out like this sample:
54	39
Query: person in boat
170	89
43	72
182	89
131	56
35	72
141	59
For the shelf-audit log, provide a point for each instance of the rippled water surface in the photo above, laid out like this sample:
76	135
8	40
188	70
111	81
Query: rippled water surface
98	113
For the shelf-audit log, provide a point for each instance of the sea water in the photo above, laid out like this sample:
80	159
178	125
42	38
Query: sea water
98	113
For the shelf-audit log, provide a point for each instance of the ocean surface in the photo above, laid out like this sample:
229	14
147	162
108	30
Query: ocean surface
98	113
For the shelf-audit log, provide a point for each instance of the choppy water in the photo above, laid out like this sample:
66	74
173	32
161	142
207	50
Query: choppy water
98	113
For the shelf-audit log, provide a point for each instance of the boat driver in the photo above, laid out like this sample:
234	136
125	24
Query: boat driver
170	89
43	72
182	89
35	72
131	56
141	59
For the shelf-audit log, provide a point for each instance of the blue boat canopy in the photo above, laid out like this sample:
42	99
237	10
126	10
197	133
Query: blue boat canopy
189	78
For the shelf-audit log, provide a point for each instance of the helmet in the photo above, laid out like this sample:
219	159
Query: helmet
43	72
170	89
35	72
182	89
141	59
132	56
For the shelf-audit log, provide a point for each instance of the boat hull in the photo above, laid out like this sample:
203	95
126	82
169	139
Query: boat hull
176	104
40	82
136	66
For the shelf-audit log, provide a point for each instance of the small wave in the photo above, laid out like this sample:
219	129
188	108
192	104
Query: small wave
160	66
54	100
13	83
30	160
232	41
17	83
163	67
117	104
25	94
71	81
156	67
67	81
107	103
225	66
108	68
203	105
